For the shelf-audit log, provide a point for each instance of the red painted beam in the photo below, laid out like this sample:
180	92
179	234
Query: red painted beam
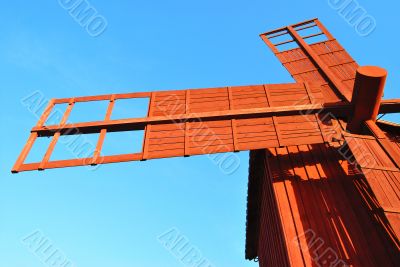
367	95
140	123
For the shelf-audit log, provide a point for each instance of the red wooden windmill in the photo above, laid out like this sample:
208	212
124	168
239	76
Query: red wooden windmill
324	179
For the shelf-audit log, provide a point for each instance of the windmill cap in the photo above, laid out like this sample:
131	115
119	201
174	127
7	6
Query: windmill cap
372	71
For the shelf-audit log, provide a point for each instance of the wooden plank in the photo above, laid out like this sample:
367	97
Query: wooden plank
385	144
259	96
209	131
305	140
168	140
249	100
200	138
258	144
162	147
210	124
166	154
298	126
249	135
165	134
257	139
211	142
251	105
212	149
257	121
256	128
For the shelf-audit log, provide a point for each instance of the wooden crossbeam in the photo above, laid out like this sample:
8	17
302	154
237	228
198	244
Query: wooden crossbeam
338	110
390	106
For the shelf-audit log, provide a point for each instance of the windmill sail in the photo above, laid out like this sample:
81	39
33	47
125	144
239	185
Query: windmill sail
199	121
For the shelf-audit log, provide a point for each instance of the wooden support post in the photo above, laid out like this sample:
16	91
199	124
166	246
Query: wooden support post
367	95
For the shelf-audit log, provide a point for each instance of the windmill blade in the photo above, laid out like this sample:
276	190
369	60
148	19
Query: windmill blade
310	53
377	156
200	121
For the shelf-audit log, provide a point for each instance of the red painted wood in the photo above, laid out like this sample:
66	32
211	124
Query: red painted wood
308	204
309	196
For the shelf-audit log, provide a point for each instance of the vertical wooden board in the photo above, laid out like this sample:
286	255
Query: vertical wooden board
394	219
326	193
268	236
283	189
335	199
310	198
299	212
312	177
353	215
340	229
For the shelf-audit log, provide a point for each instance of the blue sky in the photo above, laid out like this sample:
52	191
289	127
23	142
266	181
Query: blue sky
112	216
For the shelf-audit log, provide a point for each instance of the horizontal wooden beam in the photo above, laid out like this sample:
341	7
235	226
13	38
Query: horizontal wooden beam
390	106
339	110
102	97
80	162
293	25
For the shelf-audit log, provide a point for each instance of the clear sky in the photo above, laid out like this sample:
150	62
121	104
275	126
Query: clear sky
114	215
